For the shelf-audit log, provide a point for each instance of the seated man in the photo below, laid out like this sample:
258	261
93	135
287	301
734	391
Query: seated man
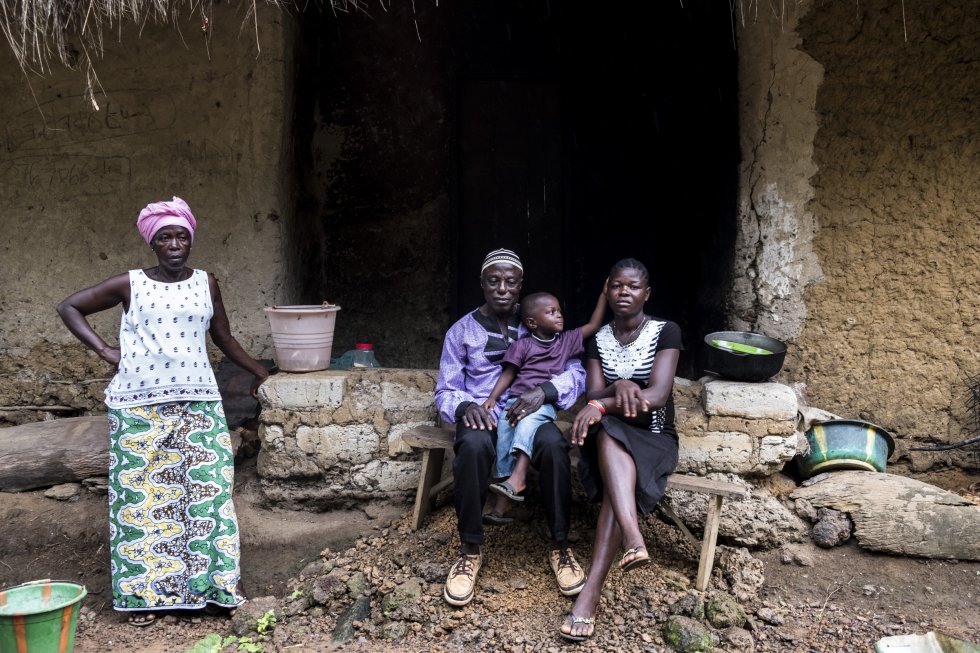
468	370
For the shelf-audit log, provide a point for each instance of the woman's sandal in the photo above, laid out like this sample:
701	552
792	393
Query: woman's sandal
640	558
577	620
141	619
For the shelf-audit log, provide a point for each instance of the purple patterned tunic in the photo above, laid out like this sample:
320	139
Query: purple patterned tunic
470	365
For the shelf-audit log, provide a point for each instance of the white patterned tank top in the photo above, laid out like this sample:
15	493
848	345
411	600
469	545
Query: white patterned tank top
162	348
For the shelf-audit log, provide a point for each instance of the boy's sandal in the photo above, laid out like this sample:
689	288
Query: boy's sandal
507	490
577	620
640	558
141	619
495	518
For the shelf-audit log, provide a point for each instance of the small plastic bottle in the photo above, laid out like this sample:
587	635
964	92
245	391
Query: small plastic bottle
364	355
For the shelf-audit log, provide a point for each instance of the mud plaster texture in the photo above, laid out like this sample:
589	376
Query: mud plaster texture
859	217
893	326
774	259
209	125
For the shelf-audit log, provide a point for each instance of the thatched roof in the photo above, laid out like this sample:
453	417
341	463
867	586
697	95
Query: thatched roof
72	32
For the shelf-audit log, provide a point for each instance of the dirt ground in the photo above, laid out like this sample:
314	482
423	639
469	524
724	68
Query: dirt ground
846	601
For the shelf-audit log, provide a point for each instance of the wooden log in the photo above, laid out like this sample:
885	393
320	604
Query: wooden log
900	515
47	453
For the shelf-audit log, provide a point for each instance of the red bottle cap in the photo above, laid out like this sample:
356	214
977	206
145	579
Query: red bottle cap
363	345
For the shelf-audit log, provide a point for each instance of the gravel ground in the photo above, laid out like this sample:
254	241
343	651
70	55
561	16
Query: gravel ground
845	601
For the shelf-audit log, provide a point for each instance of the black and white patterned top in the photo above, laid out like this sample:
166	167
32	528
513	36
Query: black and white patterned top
163	355
634	362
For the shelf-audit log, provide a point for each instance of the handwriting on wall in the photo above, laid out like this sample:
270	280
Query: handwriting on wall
66	176
68	120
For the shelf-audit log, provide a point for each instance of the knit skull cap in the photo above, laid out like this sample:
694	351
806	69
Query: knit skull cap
502	256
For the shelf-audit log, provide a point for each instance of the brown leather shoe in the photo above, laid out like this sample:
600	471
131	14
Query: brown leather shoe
569	574
461	581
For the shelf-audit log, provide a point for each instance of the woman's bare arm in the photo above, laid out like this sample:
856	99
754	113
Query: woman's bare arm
221	335
100	297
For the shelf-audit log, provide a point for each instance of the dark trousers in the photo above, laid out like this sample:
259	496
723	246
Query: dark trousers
473	465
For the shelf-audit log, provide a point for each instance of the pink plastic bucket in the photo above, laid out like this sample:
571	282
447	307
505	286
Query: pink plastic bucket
303	336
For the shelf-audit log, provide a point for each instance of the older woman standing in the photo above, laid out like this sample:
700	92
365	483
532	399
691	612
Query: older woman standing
626	431
470	366
174	540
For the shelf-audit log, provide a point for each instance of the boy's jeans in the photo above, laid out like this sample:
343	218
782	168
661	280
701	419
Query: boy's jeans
518	438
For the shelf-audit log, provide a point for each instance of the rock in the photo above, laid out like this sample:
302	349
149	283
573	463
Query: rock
329	587
805	510
357	584
248	614
689	605
754	400
441	537
97	485
797	554
758	521
394	630
676	580
723	611
517	583
743	573
739	639
770	616
431	572
293	607
686	635
64	492
359	610
403	595
832	528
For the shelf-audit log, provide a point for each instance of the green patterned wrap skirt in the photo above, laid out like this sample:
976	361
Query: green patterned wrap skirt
172	525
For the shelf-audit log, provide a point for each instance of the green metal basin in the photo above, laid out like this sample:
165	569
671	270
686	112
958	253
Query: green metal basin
846	444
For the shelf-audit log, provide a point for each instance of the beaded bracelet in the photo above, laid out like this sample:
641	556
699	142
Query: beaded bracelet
595	403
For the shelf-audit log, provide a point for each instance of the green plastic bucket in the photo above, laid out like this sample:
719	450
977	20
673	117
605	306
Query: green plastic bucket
40	617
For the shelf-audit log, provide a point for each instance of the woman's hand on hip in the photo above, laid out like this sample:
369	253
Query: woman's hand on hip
477	417
111	355
580	427
629	398
524	405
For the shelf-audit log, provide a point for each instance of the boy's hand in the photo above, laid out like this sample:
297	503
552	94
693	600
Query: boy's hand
489	405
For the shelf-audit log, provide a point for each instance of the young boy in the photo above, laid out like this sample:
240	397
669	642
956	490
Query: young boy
529	362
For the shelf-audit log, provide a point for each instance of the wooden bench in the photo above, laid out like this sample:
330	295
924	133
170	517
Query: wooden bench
433	441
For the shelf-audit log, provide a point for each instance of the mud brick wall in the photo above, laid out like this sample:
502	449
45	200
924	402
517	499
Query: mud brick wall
333	438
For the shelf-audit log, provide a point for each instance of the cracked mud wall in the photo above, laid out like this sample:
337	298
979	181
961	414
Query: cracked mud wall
860	209
774	259
893	328
207	122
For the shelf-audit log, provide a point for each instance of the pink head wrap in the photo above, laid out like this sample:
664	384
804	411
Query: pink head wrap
164	214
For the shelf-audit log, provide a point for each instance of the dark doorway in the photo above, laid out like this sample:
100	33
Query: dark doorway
510	180
619	141
574	133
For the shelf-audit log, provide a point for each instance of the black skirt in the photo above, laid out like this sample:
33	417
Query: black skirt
655	456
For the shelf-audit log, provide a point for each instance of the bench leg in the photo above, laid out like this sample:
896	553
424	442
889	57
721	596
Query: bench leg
708	542
428	476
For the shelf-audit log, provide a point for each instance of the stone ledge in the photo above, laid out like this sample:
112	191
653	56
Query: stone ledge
330	438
